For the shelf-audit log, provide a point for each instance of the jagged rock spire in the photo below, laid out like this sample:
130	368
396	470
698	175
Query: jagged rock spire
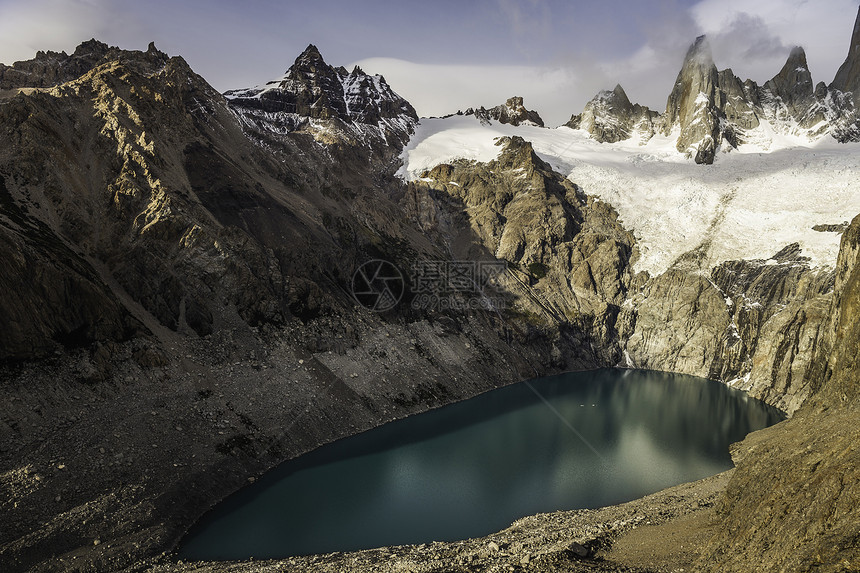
310	54
621	96
695	104
793	84
710	107
848	76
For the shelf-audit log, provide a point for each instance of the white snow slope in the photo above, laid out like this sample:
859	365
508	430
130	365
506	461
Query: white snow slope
749	204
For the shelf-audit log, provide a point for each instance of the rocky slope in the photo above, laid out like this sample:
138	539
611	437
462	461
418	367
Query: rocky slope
180	316
709	110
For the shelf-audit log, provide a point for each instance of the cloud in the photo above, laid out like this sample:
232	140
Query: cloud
754	38
527	20
437	89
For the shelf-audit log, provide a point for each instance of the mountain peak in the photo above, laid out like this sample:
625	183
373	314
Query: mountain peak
91	46
797	54
610	117
620	96
848	77
694	104
699	53
311	52
311	88
793	84
708	107
309	58
796	66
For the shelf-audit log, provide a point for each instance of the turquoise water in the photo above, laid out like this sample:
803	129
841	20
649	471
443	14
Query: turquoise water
469	469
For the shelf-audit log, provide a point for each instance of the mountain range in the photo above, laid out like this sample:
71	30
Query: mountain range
708	108
178	280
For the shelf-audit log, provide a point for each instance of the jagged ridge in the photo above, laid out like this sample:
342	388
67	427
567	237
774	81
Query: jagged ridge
708	108
512	112
312	91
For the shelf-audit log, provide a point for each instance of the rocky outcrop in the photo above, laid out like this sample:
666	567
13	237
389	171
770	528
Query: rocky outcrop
568	254
754	324
792	503
512	112
610	117
49	69
695	105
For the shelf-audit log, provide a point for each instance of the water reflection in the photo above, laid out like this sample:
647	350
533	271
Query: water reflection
472	468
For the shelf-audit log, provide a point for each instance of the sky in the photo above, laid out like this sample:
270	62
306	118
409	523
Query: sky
446	55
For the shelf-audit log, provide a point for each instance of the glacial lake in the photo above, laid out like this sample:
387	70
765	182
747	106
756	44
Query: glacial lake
576	440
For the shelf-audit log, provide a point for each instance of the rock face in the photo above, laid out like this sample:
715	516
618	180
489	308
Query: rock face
755	324
742	104
793	502
569	255
512	112
610	117
848	76
695	104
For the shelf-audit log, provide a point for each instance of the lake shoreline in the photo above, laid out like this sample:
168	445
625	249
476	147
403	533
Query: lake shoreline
541	541
572	441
